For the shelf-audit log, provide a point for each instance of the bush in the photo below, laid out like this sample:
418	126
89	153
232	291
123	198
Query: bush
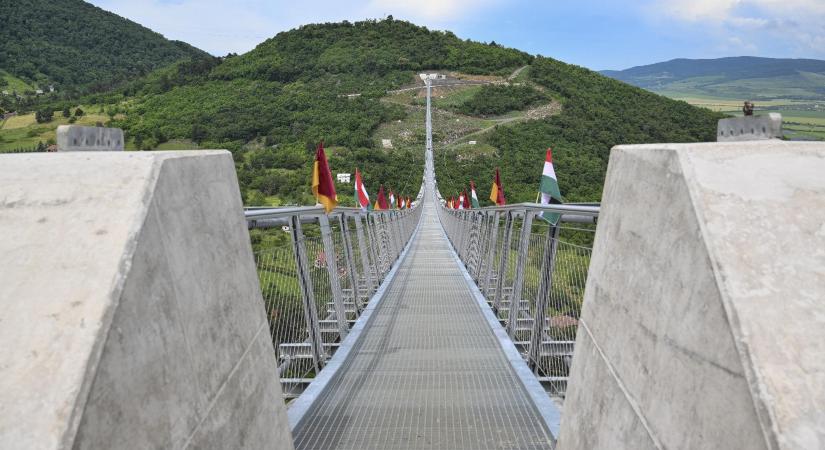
44	115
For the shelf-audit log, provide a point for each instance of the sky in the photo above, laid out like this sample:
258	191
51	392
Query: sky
598	34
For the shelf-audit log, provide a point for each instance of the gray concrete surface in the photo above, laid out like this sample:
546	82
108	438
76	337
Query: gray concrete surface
703	323
130	313
750	128
77	138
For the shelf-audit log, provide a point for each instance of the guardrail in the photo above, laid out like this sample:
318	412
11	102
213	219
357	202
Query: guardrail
532	274
316	283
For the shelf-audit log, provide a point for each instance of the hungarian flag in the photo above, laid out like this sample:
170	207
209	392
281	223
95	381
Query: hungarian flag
473	196
466	203
381	201
450	203
461	201
399	203
409	203
322	185
497	191
361	196
549	188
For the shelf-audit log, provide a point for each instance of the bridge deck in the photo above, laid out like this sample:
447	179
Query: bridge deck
428	371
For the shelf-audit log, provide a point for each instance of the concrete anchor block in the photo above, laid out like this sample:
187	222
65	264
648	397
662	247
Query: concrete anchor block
131	311
76	138
750	128
703	322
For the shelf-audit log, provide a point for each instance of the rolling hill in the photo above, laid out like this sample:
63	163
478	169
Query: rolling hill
338	82
78	47
742	78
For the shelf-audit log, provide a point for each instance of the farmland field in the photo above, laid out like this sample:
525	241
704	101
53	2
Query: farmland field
802	119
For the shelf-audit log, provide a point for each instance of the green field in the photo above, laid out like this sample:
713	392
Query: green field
24	132
14	84
801	119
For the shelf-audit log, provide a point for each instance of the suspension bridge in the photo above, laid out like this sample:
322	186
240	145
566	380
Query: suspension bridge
134	313
428	362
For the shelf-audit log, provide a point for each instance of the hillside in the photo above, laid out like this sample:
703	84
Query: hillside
739	78
330	82
76	46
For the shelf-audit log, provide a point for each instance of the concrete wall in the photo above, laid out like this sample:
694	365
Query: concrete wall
76	138
130	312
703	323
750	128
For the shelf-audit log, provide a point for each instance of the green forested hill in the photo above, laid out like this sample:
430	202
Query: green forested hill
271	105
329	82
597	113
77	46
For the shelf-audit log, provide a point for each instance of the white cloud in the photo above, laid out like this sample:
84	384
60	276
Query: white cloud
751	25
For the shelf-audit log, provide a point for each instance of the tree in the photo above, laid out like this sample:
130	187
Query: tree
44	115
78	112
66	112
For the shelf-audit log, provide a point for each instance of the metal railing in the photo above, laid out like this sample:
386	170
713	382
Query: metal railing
532	274
316	283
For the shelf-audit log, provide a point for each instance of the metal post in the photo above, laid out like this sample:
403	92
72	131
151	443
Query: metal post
373	244
502	265
335	283
350	260
365	257
491	253
518	281
548	265
316	342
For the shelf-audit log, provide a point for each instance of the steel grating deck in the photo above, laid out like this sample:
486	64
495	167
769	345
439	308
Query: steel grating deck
428	373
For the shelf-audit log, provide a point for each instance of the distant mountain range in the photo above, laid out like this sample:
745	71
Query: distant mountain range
743	77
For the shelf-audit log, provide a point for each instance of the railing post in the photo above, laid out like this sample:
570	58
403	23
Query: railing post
335	283
474	247
491	252
548	265
316	342
369	220
365	256
348	256
518	279
502	266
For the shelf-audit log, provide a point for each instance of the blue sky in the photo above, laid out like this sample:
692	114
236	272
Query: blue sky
599	34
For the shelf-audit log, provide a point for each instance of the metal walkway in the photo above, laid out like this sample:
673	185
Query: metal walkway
428	372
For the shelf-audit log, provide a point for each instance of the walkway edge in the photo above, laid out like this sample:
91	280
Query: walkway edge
297	410
541	400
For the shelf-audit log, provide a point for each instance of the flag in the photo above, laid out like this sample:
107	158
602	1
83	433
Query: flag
473	196
409	203
461	200
361	196
497	191
399	202
549	188
466	203
322	185
392	199
381	201
450	203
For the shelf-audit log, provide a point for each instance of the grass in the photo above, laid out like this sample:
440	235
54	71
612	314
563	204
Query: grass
802	119
178	144
24	132
14	83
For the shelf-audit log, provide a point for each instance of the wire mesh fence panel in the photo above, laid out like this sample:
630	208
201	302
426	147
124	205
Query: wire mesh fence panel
547	266
277	272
